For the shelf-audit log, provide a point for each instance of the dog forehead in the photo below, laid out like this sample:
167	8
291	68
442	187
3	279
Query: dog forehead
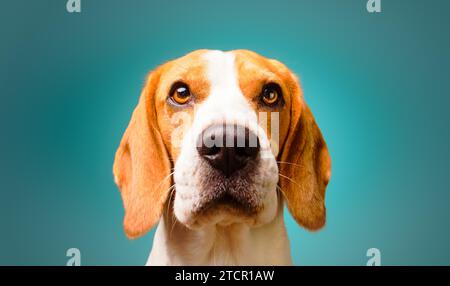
225	96
218	68
239	69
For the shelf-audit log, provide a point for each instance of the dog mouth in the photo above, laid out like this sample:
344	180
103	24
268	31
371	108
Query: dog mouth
236	194
229	202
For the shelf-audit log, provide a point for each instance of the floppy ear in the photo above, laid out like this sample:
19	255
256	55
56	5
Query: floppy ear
141	166
307	170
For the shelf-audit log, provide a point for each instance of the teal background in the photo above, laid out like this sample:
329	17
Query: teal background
378	85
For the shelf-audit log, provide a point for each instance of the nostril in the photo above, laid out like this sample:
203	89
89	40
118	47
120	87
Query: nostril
249	152
252	151
214	150
241	151
206	145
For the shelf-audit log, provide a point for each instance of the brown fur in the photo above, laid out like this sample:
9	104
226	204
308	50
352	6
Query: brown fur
309	166
141	165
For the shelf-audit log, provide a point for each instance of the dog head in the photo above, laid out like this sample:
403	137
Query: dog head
226	134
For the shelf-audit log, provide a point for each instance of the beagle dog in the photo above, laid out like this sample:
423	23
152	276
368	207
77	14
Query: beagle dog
217	144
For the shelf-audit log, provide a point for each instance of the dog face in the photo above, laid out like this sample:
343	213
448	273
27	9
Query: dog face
238	136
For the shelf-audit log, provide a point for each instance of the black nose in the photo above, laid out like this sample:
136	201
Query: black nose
228	148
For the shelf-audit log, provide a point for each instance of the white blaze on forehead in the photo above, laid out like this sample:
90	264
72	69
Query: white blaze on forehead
221	70
225	100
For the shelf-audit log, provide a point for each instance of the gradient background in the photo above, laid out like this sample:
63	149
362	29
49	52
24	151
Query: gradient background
378	85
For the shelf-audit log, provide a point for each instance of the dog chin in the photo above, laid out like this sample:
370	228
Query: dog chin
225	213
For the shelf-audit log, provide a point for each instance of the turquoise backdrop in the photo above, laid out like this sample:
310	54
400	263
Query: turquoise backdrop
378	85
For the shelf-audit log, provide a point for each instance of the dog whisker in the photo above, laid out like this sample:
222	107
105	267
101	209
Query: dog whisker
289	163
283	193
290	179
171	190
173	224
165	178
168	206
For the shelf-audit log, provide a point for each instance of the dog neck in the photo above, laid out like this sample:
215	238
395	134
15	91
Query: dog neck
236	244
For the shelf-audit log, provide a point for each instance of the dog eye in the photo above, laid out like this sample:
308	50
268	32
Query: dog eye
180	93
271	94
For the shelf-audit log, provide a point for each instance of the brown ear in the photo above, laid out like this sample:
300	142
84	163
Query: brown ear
141	166
307	166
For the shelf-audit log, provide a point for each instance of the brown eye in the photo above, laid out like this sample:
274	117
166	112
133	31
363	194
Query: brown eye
271	94
180	94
